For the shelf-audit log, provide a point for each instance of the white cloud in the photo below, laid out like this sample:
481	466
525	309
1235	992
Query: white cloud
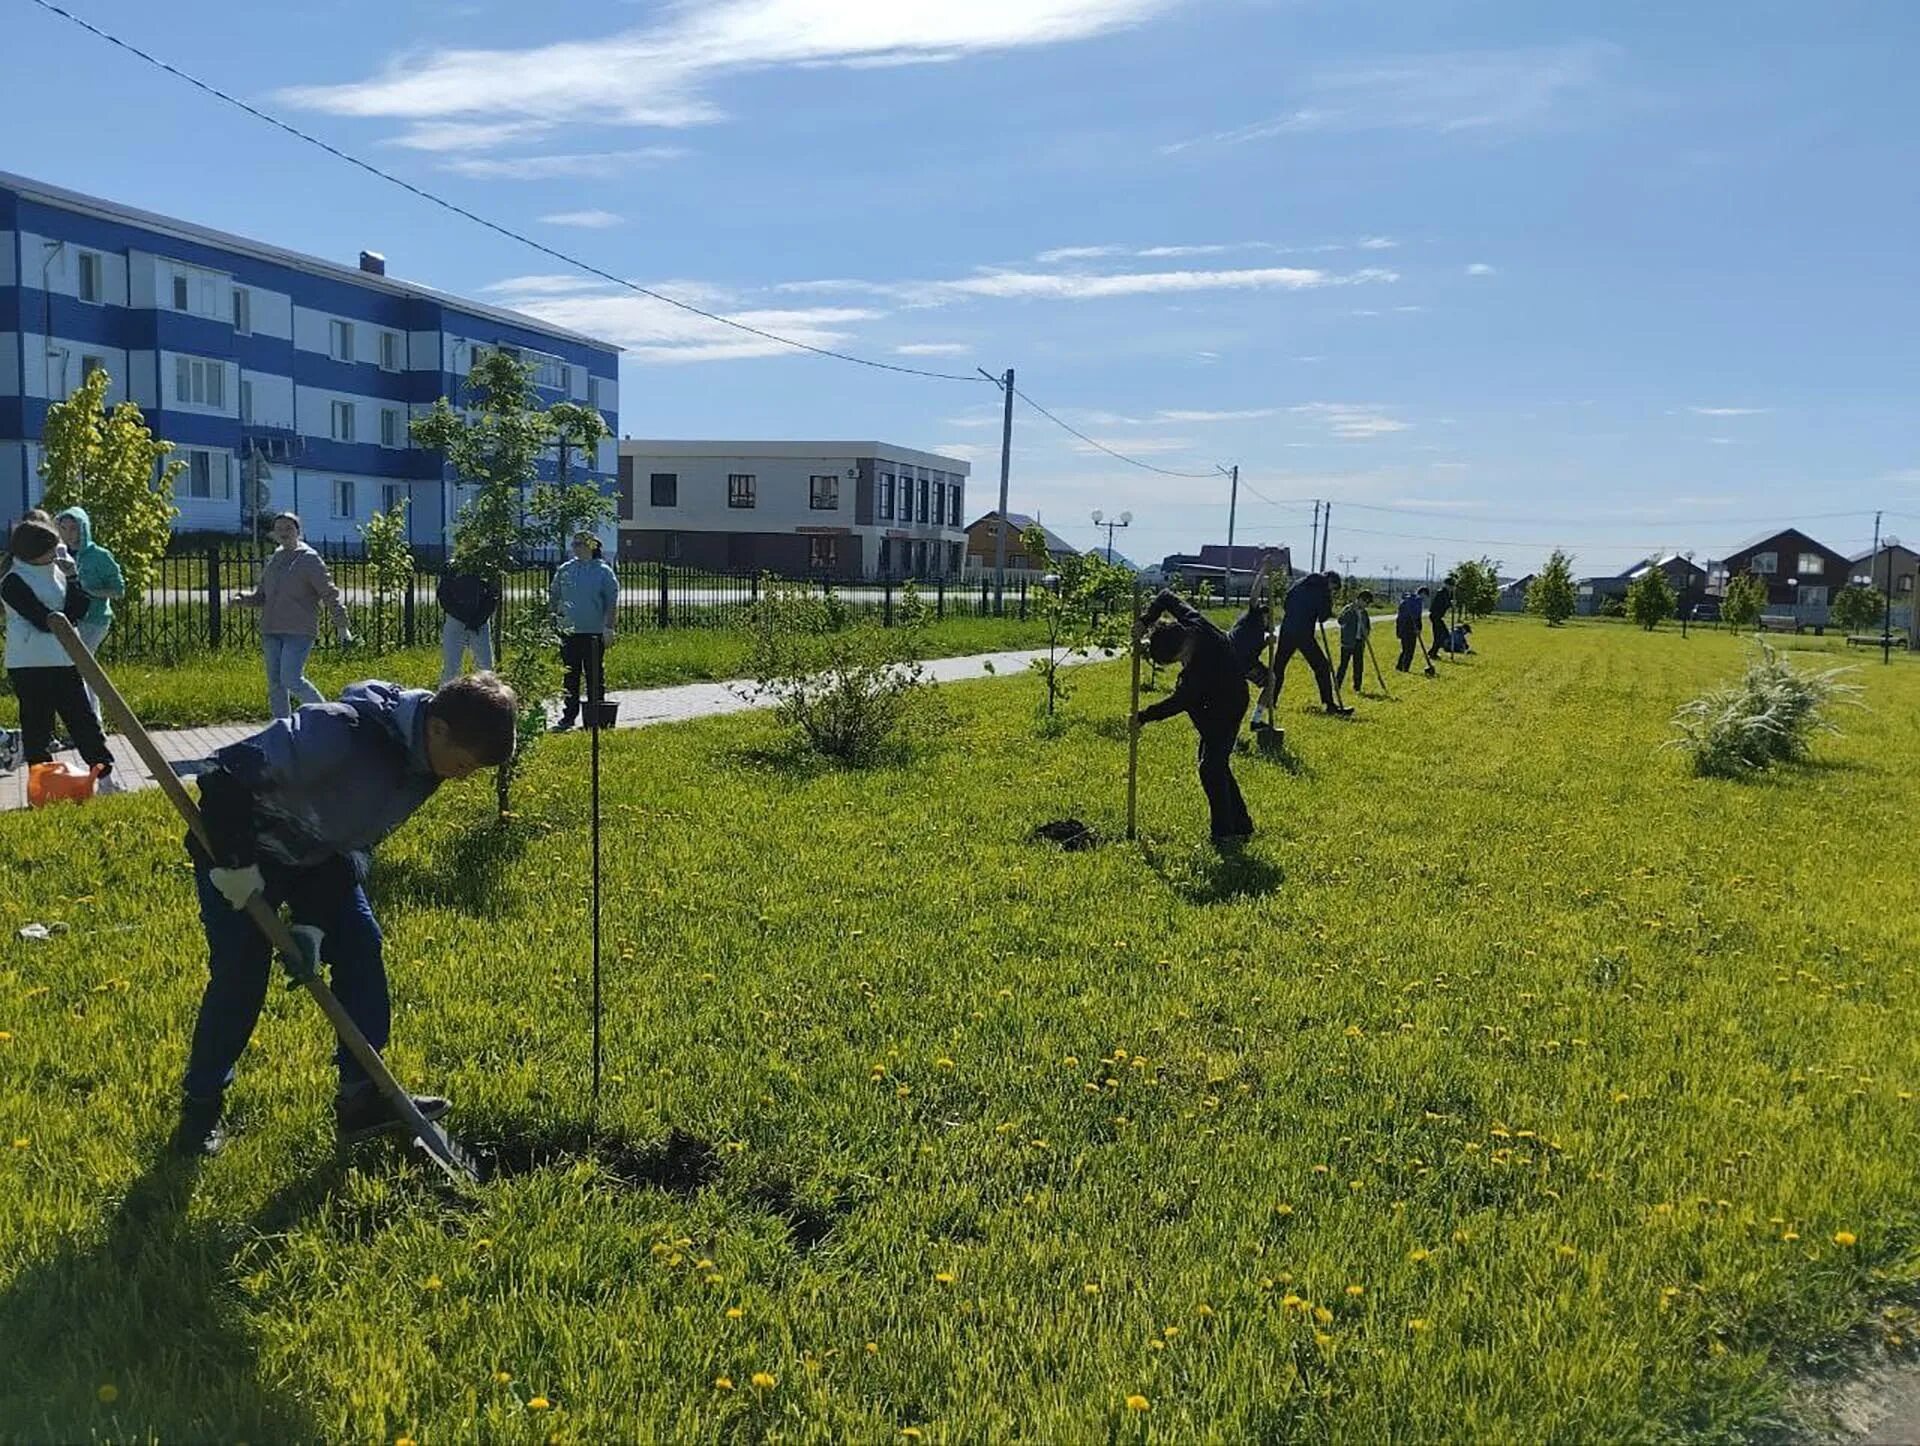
1377	243
1494	91
588	166
465	135
1078	253
1729	411
1479	268
658	332
592	220
1082	286
933	348
660	75
544	285
1250	414
1353	421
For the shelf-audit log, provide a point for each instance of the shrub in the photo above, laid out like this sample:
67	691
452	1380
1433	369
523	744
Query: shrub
1856	607
1745	600
846	685
1476	587
1769	716
1550	595
1650	599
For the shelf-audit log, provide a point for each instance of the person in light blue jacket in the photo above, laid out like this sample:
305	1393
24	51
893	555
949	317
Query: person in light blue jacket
584	594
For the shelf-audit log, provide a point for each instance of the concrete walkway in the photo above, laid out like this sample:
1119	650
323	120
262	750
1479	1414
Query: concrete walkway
639	707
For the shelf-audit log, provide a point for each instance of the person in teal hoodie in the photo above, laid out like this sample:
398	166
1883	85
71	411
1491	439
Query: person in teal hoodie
99	573
584	594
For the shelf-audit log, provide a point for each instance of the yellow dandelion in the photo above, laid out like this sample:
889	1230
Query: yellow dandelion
6	1036
1418	1326
432	1282
1283	1208
1092	1287
502	1378
945	1277
21	1142
1323	1315
1322	1339
1419	1255
108	1394
1139	1403
405	1441
764	1380
723	1383
1356	1291
538	1403
734	1312
1565	1252
483	1243
703	1264
909	1433
873	1348
1845	1237
1203	1310
1170	1332
943	1063
1790	1235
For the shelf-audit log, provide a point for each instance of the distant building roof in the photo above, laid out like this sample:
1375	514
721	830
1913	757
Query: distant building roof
1020	522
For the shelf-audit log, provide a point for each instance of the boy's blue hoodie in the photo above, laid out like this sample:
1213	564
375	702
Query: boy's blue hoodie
332	780
583	594
98	569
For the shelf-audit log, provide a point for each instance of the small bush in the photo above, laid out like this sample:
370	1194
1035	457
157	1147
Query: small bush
846	684
1768	717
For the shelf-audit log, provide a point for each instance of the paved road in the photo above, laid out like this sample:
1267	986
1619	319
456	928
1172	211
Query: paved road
639	708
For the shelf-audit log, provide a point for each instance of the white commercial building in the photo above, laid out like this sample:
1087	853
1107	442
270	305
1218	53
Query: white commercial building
852	510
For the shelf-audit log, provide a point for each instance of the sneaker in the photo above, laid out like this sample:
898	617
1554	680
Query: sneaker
110	783
366	1113
9	752
1340	710
198	1134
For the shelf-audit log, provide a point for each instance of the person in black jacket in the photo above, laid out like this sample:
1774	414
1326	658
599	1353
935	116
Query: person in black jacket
468	598
1212	692
1309	603
1406	626
1438	606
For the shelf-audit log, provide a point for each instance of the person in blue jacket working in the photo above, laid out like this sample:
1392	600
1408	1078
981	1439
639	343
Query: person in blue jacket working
584	594
293	813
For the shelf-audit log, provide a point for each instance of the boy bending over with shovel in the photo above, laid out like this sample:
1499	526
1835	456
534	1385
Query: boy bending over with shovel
292	813
1212	691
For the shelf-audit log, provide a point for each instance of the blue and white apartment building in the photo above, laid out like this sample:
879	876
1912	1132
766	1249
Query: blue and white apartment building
261	366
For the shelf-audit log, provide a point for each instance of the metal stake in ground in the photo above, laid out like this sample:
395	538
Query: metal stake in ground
597	692
1378	676
1133	717
447	1155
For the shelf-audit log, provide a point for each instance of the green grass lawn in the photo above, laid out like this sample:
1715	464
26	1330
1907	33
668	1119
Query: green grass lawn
230	686
1514	1085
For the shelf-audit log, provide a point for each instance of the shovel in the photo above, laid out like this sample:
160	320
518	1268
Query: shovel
299	956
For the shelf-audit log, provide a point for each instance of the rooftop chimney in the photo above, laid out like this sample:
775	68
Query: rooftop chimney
374	262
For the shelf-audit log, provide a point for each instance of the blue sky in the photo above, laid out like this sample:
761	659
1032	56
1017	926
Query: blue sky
1488	275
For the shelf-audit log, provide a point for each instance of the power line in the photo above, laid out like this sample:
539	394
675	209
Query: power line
479	220
1455	515
1102	446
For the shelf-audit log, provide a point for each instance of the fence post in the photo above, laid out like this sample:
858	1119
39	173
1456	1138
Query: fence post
666	618
886	602
406	607
753	588
983	597
939	598
1023	599
213	597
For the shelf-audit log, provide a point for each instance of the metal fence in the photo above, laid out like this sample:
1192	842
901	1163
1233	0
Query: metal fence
188	607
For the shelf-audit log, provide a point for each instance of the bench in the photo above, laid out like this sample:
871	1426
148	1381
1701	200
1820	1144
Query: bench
1779	623
1876	640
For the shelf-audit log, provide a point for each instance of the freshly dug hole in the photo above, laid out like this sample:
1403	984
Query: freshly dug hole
1070	833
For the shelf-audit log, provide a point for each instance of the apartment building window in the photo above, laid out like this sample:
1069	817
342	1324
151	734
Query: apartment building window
1812	564
1765	563
953	519
926	484
626	489
90	284
392	495
207	477
242	311
883	504
246	400
823	492
593	391
389	351
823	552
741	489
343	497
663	489
199	383
1904	584
1812	597
340	340
89	365
180	290
343	421
939	502
392	434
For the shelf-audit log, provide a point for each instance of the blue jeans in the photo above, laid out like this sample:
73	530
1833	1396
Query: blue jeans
93	633
287	672
240	967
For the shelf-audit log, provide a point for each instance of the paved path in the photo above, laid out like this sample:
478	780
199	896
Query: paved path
639	707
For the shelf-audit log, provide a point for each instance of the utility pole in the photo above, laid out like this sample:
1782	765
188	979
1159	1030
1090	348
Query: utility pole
1886	614
1326	528
1006	460
1313	538
1233	507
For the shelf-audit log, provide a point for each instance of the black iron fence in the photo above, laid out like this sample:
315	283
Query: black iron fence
188	607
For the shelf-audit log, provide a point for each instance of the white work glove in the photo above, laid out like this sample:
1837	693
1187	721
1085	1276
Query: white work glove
236	886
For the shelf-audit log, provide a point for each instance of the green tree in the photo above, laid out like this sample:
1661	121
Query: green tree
1476	587
1085	603
111	464
1855	607
1551	595
559	510
390	563
1745	600
1650	598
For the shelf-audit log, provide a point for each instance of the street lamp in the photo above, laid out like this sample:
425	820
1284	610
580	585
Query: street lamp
1100	519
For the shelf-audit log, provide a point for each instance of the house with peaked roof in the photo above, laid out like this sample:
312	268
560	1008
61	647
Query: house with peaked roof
983	531
1800	573
1890	571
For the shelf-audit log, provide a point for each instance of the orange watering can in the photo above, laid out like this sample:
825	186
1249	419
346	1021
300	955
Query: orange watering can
51	782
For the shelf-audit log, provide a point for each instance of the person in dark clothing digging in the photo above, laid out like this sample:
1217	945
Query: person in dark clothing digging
1309	603
1438	606
1407	622
1211	691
